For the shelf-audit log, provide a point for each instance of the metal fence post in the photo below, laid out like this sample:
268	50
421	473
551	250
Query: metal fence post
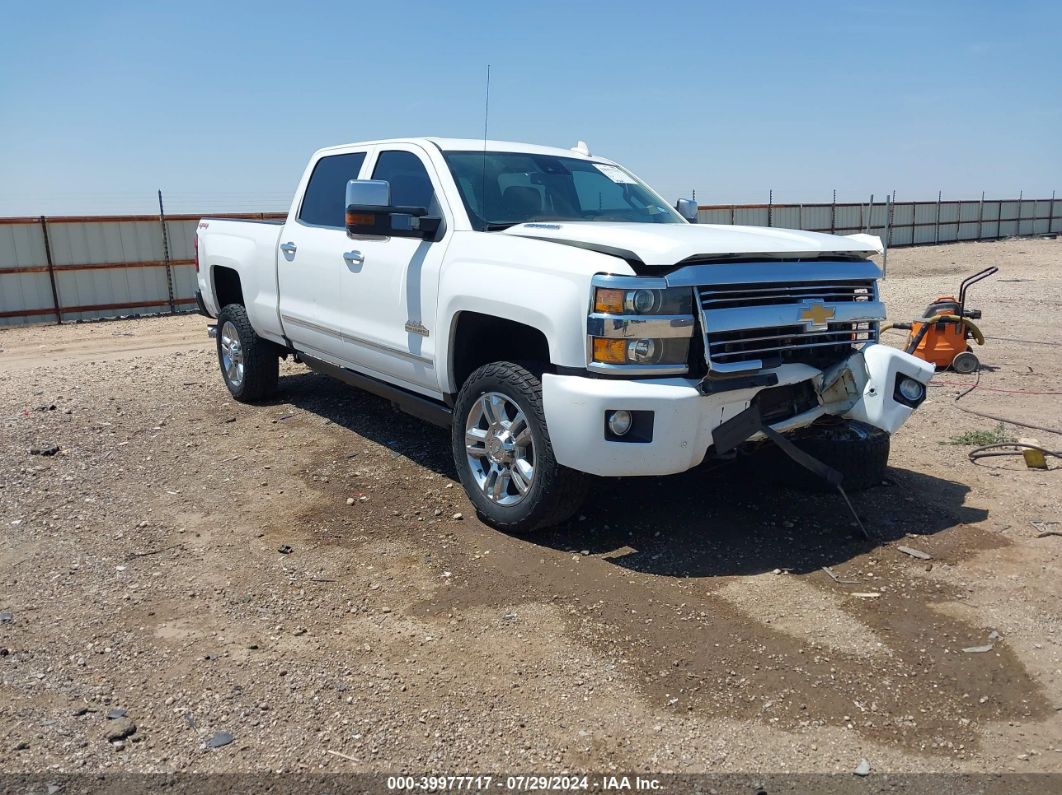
770	207
890	203
870	215
732	208
51	272
833	213
936	229
166	254
980	216
1051	214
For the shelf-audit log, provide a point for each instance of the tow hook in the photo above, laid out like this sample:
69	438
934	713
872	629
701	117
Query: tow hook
212	331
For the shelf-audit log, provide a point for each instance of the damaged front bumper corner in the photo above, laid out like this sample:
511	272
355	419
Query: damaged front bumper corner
683	422
869	386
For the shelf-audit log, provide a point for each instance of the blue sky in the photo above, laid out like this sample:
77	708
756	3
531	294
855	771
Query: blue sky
220	104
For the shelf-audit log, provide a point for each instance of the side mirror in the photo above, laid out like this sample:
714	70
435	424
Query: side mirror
687	208
369	212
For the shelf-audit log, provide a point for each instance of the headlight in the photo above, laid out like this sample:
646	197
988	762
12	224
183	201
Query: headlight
641	301
667	351
639	326
642	351
670	301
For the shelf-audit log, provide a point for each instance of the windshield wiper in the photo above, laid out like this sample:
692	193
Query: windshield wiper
498	226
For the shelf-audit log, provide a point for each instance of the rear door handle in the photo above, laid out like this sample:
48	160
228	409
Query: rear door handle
354	257
288	248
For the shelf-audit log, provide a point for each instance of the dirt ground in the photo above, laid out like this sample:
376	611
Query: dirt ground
195	562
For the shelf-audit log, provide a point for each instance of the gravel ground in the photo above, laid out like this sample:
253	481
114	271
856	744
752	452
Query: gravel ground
304	584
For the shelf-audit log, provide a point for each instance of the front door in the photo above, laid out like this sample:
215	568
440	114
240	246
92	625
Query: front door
390	290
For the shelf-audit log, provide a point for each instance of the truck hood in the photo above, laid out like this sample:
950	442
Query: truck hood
663	245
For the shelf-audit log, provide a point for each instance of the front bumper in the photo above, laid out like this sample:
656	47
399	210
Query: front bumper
862	387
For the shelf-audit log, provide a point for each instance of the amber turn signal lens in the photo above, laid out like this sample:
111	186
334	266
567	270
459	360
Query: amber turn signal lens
359	219
609	351
607	300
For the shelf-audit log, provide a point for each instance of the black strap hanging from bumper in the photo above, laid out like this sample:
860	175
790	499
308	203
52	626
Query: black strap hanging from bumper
739	428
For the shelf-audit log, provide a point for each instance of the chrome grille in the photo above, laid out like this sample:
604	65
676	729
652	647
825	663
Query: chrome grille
782	344
748	325
722	296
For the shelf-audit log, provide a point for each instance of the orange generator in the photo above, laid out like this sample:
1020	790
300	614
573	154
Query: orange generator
941	336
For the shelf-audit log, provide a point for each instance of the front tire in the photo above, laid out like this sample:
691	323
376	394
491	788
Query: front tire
860	452
249	364
503	453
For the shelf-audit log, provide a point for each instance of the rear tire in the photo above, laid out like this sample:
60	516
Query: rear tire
249	364
860	452
504	456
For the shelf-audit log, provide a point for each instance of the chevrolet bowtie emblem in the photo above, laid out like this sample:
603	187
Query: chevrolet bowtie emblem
817	314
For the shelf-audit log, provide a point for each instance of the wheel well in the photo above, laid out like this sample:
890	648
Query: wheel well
227	288
480	339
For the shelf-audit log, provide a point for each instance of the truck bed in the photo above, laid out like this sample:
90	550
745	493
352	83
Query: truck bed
249	249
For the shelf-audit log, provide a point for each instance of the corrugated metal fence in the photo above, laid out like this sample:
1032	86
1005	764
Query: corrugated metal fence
63	269
902	223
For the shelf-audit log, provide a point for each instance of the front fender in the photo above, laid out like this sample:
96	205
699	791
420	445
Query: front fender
539	284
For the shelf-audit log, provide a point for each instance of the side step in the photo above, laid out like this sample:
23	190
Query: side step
411	403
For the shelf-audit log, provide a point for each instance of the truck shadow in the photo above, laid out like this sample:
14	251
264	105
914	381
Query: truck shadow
702	523
722	523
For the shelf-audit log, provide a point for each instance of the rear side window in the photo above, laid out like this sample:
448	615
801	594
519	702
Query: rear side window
323	203
410	184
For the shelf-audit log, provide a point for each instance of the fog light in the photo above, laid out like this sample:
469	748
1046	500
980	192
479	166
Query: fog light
911	390
619	422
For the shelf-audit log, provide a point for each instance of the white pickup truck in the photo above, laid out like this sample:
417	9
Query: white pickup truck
560	317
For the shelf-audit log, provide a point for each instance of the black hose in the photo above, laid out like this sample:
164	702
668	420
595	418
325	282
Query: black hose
966	392
990	450
1009	421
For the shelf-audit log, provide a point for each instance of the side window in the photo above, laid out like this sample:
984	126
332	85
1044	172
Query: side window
410	184
322	205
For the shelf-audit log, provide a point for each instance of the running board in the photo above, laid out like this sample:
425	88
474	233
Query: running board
421	407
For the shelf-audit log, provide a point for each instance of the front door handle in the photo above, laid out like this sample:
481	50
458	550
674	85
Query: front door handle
288	248
353	257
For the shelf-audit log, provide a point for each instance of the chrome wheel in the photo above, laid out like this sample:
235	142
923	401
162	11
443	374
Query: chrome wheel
231	354
500	449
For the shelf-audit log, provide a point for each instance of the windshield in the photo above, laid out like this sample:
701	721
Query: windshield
500	189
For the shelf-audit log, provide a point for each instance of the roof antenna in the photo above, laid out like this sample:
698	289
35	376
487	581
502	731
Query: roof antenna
582	149
483	166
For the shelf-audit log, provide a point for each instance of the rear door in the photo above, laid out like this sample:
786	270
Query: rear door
310	263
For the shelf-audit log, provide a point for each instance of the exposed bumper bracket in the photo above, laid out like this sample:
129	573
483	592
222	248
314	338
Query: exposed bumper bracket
715	386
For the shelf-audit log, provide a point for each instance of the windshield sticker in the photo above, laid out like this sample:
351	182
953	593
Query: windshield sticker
616	174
